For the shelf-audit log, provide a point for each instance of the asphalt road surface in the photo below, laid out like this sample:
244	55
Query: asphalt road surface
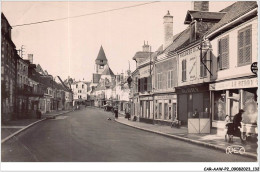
87	136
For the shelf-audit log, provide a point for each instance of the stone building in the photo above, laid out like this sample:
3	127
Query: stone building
8	71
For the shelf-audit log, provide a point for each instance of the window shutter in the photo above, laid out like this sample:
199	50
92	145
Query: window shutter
240	47
247	48
182	70
139	85
149	83
225	49
219	54
171	79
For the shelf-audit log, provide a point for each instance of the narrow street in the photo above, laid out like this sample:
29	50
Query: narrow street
87	136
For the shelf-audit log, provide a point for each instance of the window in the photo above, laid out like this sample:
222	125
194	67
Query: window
139	85
136	84
170	79
76	85
145	84
183	78
159	81
245	46
223	51
82	86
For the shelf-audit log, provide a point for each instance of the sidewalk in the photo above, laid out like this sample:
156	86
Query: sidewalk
209	140
11	128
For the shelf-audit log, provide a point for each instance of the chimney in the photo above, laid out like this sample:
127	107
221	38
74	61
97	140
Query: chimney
146	47
200	5
168	29
30	58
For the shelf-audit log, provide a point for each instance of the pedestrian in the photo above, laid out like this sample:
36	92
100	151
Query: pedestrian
195	114
116	112
237	122
38	114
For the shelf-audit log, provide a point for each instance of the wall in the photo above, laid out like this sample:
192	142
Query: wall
192	57
234	70
163	67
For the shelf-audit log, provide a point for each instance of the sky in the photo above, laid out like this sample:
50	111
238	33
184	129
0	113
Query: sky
69	47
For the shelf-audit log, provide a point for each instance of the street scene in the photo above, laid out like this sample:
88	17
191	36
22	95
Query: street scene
129	81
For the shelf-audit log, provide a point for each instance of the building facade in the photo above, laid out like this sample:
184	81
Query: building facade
8	71
234	48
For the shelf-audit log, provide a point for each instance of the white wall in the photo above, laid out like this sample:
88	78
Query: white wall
234	70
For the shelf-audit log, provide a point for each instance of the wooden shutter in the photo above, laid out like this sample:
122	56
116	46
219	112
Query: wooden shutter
184	70
149	84
225	52
139	85
171	78
245	46
223	46
168	79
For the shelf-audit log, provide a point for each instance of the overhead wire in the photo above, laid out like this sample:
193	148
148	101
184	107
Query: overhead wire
83	15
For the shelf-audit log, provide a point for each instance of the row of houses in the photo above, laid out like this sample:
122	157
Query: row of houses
205	68
106	87
26	87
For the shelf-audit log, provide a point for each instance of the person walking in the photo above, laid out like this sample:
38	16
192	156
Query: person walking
116	112
237	123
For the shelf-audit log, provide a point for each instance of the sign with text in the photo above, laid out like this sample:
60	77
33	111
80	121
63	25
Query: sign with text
235	84
145	71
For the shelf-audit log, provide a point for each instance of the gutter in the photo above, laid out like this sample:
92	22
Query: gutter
232	22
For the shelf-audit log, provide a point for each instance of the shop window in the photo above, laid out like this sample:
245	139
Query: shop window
250	105
165	110
174	112
219	105
155	111
170	113
183	78
148	109
160	110
245	46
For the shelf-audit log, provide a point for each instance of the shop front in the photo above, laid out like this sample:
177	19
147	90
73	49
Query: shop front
146	109
165	108
230	96
193	100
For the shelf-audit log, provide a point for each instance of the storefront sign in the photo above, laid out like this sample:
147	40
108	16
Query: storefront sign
254	68
146	98
163	97
235	84
193	89
145	71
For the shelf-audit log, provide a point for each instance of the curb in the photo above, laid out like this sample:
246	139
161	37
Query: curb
247	154
28	126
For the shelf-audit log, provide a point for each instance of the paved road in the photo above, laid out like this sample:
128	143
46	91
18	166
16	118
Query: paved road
87	136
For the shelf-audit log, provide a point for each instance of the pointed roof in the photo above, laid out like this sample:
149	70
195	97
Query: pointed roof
101	54
108	71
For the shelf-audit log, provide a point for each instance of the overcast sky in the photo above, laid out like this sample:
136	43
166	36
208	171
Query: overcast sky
69	47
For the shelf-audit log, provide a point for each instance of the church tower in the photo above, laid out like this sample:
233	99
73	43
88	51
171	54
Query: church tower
101	61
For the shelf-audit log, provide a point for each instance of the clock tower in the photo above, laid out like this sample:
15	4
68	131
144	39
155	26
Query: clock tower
101	61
